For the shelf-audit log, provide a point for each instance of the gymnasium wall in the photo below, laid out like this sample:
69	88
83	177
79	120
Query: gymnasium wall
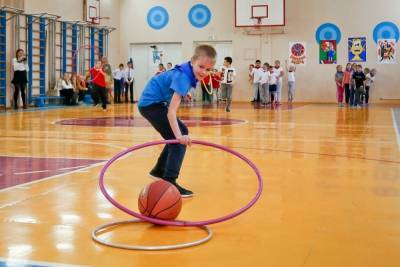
71	10
314	81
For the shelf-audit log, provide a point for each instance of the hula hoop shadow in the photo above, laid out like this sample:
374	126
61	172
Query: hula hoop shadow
181	223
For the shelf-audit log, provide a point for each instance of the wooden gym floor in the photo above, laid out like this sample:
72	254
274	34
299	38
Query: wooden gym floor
331	197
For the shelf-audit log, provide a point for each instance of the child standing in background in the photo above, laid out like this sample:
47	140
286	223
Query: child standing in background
273	78
352	86
279	74
265	85
228	75
339	85
359	79
369	80
256	73
346	82
118	75
291	81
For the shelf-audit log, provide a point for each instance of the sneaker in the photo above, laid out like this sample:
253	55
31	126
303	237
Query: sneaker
183	191
227	109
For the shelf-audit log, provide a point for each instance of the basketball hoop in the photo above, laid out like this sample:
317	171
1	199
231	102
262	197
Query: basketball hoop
96	20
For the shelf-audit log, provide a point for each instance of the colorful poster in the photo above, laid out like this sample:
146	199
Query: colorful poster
297	53
357	49
386	51
327	52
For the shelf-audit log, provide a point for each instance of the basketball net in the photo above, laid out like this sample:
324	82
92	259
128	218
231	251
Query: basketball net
257	22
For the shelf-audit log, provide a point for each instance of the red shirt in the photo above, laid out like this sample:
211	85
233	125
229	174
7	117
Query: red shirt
215	80
99	77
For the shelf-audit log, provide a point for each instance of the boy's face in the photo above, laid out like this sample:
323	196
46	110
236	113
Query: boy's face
202	67
339	68
359	69
226	64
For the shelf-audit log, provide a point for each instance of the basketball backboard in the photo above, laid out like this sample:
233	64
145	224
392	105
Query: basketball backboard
259	13
92	11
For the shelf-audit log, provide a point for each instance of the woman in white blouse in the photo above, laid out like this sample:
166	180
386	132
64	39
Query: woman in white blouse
20	67
67	90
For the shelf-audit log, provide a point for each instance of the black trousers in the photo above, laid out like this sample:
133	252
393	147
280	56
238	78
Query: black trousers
366	94
117	91
100	94
69	96
347	93
170	160
19	87
129	87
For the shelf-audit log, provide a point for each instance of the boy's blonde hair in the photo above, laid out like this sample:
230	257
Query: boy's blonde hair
205	50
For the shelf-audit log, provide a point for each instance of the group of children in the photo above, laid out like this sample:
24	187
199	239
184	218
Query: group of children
123	83
353	85
267	82
219	83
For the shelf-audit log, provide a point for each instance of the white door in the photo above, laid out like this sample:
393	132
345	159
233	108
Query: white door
146	58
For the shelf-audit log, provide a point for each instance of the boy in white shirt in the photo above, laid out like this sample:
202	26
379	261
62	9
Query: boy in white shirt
118	75
273	79
129	80
228	74
291	70
279	73
256	73
264	94
369	80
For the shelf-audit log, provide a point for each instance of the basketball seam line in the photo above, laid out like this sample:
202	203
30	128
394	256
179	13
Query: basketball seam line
141	204
147	200
158	200
168	207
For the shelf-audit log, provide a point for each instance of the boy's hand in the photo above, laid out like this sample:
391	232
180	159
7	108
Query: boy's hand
185	140
188	97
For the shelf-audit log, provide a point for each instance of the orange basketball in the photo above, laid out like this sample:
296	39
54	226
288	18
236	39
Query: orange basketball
160	200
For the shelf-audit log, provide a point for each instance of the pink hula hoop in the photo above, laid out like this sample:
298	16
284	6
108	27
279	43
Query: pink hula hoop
179	222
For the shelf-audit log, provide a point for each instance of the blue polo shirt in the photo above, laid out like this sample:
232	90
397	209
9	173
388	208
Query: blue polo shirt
161	87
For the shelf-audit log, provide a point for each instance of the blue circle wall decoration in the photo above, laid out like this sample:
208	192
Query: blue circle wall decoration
328	31
386	30
199	15
157	17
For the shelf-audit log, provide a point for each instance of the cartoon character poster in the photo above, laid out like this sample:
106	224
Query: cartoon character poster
357	49
386	51
327	52
297	53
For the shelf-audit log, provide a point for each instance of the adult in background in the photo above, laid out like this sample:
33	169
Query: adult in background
20	67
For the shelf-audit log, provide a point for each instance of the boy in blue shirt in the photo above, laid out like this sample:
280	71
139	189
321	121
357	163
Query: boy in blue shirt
159	103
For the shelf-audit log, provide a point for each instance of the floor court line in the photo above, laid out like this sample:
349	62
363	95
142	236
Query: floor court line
396	124
10	262
51	177
146	137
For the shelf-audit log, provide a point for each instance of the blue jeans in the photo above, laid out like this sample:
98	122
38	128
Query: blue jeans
170	160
